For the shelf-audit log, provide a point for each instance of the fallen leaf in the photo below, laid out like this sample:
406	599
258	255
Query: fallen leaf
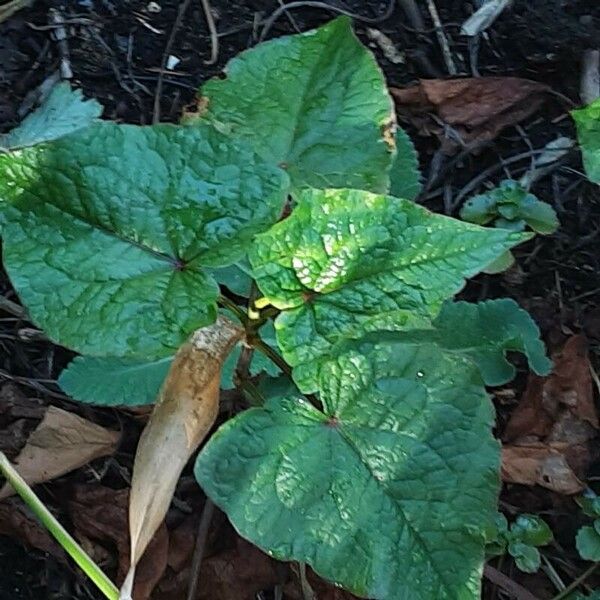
61	443
186	409
238	573
477	108
550	431
99	514
17	524
540	464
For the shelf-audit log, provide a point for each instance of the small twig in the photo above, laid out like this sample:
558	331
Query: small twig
201	536
290	17
590	76
12	308
307	591
158	92
10	8
60	35
507	584
314	4
573	586
214	36
411	10
443	40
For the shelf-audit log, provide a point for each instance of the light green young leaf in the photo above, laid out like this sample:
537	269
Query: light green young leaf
532	530
315	103
527	558
587	120
347	262
114	381
64	111
370	492
109	232
588	543
405	176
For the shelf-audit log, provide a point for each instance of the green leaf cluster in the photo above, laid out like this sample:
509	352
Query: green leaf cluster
510	206
285	201
588	537
521	540
587	120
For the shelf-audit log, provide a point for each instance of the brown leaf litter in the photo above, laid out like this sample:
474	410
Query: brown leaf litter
62	442
548	439
468	111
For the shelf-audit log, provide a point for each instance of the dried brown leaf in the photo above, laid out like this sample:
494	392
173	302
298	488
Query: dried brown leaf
551	429
186	409
477	109
15	523
61	443
99	514
540	464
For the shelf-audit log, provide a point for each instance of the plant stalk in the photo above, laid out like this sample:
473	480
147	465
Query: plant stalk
62	536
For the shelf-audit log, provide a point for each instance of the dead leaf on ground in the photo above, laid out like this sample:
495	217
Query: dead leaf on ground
186	409
99	514
19	415
61	443
477	109
16	524
550	431
235	574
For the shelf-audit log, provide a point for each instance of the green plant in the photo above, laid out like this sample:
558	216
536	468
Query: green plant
587	120
520	540
510	206
588	537
271	205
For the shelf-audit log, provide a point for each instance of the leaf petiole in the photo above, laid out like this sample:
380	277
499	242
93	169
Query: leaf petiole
62	536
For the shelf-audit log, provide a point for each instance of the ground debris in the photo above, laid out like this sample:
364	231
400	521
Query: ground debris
474	109
549	434
62	442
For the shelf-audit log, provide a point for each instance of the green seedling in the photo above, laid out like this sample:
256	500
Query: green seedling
510	206
372	458
520	540
588	537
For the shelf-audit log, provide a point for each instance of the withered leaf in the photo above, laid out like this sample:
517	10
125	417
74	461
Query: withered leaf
477	108
100	515
551	429
186	409
61	443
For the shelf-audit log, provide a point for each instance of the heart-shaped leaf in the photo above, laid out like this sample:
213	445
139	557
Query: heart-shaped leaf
483	332
346	262
111	381
587	120
315	103
387	491
108	232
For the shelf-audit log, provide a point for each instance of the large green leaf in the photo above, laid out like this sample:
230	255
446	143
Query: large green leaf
114	381
315	103
347	262
108	231
387	491
64	111
405	177
587	120
483	332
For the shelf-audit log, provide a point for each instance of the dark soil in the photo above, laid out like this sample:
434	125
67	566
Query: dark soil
117	51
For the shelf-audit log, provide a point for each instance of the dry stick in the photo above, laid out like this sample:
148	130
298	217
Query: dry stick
590	76
573	586
315	4
412	12
443	40
60	35
507	584
159	84
290	17
214	36
205	519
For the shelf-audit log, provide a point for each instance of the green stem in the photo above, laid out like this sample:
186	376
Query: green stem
234	308
573	586
272	355
77	553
